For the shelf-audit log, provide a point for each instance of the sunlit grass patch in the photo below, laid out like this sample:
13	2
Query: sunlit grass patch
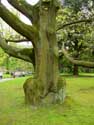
78	108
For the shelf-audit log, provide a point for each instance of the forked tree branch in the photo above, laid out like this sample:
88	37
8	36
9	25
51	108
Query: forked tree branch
75	22
25	54
22	28
77	62
17	41
23	7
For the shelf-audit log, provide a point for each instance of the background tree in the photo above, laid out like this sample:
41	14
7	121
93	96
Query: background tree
77	38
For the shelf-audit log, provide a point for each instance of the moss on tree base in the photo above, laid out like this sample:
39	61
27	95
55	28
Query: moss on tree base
34	96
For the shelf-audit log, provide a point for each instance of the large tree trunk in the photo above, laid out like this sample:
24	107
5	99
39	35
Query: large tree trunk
47	84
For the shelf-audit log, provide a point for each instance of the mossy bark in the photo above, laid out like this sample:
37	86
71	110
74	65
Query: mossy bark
46	79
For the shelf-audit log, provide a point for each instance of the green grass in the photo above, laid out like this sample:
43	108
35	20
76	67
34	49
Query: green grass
6	76
78	108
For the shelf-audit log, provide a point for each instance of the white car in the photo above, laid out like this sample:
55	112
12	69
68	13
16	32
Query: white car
18	74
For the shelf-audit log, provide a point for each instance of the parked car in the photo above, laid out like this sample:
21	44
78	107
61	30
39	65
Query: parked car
18	74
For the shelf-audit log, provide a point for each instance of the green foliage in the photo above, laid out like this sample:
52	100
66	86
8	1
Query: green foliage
17	64
78	4
78	39
2	57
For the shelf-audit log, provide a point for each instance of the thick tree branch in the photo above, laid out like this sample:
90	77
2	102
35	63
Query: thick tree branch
17	41
23	7
78	62
25	54
75	22
16	24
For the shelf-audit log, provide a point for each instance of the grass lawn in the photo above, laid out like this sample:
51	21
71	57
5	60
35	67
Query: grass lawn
78	108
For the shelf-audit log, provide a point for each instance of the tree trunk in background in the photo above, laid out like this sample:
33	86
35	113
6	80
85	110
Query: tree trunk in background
7	64
47	86
75	70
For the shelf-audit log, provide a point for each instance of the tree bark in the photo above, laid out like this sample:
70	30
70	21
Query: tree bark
75	70
47	86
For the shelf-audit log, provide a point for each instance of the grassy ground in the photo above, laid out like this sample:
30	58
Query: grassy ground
78	108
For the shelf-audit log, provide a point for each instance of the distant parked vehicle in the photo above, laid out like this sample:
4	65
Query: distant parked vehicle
17	74
28	73
1	75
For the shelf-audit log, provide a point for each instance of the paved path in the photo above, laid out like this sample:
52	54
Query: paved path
6	79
